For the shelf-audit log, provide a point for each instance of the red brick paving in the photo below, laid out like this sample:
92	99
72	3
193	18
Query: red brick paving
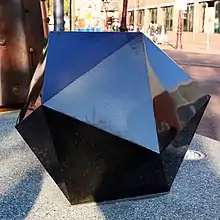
192	57
210	81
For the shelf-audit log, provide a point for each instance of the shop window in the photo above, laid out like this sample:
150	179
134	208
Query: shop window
217	17
188	17
141	14
131	18
153	15
168	17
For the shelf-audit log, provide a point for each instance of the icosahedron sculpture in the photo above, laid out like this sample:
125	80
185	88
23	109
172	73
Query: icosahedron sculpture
112	116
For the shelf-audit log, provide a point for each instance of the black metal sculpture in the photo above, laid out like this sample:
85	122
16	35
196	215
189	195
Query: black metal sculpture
116	116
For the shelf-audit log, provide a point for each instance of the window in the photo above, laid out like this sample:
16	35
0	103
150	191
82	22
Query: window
131	18
141	17
201	21
188	17
217	17
168	16
153	15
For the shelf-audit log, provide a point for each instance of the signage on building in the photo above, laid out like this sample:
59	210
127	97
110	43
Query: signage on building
89	13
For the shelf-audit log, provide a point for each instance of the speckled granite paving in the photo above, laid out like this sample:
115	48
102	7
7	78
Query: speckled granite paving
28	192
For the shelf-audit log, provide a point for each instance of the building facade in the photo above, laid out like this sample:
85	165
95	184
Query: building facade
199	16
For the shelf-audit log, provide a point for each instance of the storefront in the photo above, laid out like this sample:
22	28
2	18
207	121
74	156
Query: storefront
199	16
217	18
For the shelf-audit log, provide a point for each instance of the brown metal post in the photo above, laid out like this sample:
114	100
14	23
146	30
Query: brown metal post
21	42
106	19
70	16
179	31
123	27
138	16
44	18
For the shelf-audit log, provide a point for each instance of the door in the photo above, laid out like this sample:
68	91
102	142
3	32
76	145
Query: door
209	20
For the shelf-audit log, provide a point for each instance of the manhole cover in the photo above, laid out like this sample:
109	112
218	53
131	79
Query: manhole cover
194	155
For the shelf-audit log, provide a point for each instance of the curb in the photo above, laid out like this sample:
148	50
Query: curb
198	64
9	112
204	52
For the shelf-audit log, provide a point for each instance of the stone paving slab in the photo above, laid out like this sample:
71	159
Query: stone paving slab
28	192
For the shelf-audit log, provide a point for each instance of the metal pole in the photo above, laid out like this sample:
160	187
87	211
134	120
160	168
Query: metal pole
106	19
138	16
44	18
179	31
73	14
58	15
123	27
70	17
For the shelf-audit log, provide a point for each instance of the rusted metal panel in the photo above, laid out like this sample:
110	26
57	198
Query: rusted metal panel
33	27
44	18
18	33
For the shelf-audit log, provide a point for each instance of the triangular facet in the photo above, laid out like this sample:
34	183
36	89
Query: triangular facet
98	166
170	75
36	133
173	155
71	54
173	94
114	96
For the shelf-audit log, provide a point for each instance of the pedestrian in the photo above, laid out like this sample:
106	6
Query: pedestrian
131	28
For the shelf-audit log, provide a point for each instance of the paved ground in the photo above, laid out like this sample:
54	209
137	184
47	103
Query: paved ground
199	44
203	59
28	192
192	47
206	69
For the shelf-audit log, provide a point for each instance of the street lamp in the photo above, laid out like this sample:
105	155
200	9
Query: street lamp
138	16
116	20
70	10
58	15
123	27
44	18
106	3
179	31
180	5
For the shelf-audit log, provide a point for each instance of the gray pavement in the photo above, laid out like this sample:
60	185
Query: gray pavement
28	192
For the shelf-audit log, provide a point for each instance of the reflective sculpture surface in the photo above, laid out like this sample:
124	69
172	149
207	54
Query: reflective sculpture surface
115	118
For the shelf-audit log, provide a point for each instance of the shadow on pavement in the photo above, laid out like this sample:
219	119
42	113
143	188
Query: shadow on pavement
22	187
19	200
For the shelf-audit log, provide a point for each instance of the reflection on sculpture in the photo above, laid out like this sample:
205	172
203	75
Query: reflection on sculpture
113	123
